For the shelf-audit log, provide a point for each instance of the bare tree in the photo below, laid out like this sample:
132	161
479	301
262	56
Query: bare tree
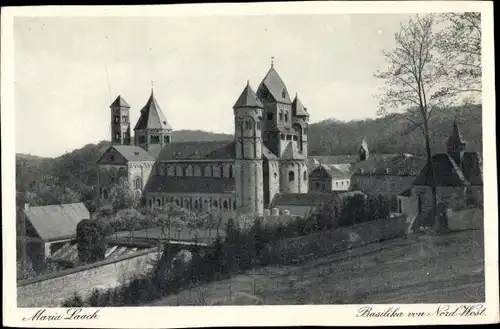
460	42
416	80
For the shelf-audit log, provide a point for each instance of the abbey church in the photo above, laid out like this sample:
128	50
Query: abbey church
267	157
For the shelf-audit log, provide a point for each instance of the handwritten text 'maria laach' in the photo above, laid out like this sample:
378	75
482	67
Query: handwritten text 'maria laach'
70	314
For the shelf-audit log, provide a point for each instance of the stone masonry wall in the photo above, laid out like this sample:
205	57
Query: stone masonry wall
52	289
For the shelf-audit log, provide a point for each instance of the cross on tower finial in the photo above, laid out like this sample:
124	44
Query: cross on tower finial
272	61
152	85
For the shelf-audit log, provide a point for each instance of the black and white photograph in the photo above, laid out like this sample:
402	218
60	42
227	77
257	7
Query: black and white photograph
260	159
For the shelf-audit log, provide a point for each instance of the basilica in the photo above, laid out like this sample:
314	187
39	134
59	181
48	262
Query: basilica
267	157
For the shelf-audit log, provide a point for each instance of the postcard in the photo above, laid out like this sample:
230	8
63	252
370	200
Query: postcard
252	164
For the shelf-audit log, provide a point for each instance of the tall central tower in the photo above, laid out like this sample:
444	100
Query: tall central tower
120	122
249	177
152	131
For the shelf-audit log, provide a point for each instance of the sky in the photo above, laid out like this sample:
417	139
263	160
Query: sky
68	70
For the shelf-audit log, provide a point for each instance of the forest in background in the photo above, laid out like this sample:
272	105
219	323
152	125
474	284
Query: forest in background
72	176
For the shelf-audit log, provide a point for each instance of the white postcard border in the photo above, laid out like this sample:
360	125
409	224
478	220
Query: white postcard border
148	317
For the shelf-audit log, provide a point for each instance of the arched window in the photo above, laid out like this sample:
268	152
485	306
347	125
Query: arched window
196	204
215	204
305	175
221	171
138	183
230	171
283	93
158	202
105	193
189	170
291	176
207	171
281	115
225	205
197	171
275	175
286	116
177	202
234	204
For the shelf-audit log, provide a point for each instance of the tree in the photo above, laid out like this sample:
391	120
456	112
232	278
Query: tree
353	210
460	43
122	196
90	241
417	81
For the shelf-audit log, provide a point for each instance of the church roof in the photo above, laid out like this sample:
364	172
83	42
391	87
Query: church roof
448	173
119	102
133	153
198	151
248	98
152	116
298	108
268	154
275	86
190	184
291	152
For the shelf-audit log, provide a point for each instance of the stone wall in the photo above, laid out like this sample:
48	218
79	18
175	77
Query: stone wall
52	289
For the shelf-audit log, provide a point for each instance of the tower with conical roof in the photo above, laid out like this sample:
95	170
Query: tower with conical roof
152	130
120	122
249	179
455	145
364	153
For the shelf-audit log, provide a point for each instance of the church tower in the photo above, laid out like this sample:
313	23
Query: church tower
120	122
152	131
249	178
455	145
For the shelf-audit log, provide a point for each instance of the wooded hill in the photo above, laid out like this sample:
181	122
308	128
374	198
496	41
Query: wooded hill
72	176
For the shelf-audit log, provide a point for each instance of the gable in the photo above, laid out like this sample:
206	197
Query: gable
112	157
319	173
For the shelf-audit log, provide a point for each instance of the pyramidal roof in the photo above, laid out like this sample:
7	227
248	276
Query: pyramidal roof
276	86
456	136
248	98
119	102
152	116
298	108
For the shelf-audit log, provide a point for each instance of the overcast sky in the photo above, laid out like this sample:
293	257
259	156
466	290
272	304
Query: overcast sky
199	67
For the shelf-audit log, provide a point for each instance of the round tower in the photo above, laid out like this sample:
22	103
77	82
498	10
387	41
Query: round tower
249	177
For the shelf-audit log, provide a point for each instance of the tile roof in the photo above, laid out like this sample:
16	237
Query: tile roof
268	154
448	173
298	108
248	98
303	199
119	102
133	153
190	184
314	161
397	164
152	116
56	221
291	152
275	86
198	151
332	171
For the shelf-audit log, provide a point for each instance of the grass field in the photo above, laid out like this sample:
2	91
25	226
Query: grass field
418	269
